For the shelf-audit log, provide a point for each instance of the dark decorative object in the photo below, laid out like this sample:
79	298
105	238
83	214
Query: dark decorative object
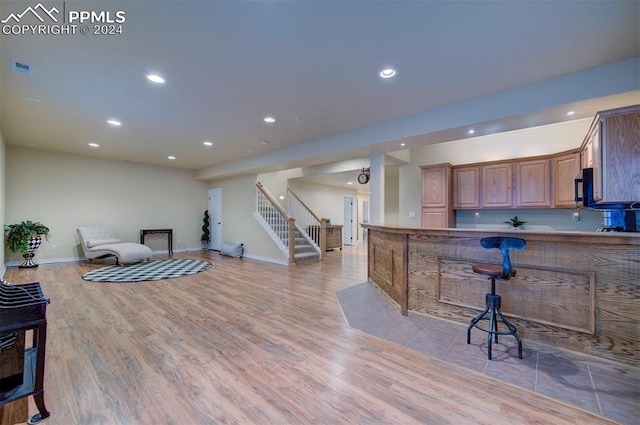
364	176
515	222
206	235
26	238
23	308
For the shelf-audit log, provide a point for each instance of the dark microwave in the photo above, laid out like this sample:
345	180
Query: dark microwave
583	188
583	193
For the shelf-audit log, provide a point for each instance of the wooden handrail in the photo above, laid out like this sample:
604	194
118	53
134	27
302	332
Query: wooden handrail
273	202
290	220
303	204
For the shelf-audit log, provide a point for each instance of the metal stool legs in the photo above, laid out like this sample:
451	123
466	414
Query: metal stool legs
493	314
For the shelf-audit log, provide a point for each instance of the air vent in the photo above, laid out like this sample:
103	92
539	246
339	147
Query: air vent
21	68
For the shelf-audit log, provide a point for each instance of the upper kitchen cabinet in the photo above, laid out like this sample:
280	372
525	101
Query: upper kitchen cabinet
620	144
497	185
436	196
533	183
564	169
436	180
466	187
591	156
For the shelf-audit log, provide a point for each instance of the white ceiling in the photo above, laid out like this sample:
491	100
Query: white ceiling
312	65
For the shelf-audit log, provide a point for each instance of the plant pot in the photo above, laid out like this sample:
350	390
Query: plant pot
204	245
34	244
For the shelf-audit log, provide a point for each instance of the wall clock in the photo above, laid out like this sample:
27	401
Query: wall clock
363	177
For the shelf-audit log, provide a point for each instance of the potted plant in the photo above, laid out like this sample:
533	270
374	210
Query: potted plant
515	222
25	238
204	239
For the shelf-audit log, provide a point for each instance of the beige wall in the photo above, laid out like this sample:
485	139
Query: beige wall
324	201
410	196
2	198
68	191
277	183
392	198
238	222
2	182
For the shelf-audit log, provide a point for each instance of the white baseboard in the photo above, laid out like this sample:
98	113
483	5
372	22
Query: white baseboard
266	259
46	261
3	269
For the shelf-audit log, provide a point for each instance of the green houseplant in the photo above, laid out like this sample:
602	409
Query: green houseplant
515	222
204	239
25	238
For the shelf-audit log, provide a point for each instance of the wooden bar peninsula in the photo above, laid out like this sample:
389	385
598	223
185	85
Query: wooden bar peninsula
574	290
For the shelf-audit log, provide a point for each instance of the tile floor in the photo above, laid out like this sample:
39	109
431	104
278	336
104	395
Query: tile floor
597	385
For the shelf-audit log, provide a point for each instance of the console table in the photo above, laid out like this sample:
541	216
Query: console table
168	232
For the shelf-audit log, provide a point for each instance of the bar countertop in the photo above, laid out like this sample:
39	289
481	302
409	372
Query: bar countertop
626	238
575	290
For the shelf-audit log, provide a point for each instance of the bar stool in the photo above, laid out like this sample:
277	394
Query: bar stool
493	311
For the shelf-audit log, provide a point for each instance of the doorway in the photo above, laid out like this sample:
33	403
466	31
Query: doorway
215	218
349	220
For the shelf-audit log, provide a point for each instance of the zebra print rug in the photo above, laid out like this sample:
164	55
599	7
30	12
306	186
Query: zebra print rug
152	270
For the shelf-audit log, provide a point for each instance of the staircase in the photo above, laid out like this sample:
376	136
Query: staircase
294	244
303	250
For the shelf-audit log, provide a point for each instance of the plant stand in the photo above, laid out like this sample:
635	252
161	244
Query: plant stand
34	244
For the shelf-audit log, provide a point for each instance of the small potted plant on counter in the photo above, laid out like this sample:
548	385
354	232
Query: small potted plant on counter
25	238
515	223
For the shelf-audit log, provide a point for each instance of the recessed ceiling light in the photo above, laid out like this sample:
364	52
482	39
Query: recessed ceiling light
349	182
571	113
264	142
269	120
171	157
387	73
94	145
403	144
114	122
472	131
207	143
155	78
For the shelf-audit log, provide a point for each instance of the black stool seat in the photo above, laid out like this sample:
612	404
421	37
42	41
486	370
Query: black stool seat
493	312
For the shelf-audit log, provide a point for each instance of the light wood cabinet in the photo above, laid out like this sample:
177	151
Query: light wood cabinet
612	149
591	157
532	184
564	169
466	187
436	218
620	145
497	185
436	196
435	186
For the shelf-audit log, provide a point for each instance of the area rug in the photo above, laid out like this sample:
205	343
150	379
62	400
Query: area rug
152	270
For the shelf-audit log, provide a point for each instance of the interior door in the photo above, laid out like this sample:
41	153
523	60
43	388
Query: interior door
215	217
349	220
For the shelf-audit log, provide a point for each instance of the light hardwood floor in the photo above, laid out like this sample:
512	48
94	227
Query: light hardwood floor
248	342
